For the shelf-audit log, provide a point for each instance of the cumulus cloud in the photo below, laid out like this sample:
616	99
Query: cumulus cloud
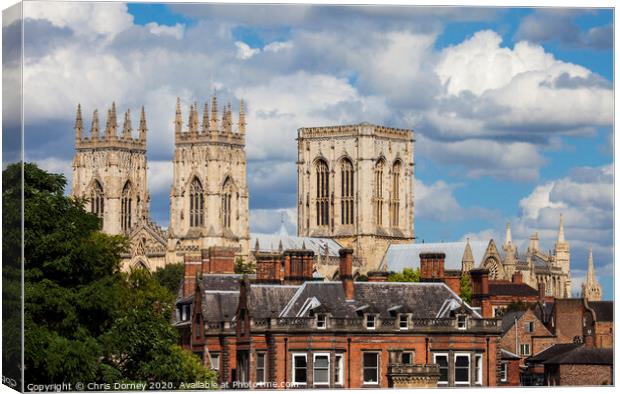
269	221
175	31
244	51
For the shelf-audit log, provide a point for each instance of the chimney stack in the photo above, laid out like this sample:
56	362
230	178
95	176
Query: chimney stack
192	269
541	291
377	276
218	260
346	272
268	267
298	266
432	266
517	277
480	291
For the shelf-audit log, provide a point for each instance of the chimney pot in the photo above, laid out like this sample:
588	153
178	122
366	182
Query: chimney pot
346	272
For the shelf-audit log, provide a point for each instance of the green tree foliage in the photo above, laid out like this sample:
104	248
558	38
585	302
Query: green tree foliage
407	275
241	267
84	319
170	276
466	290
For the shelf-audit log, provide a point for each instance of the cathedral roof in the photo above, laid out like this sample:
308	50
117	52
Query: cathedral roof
399	256
604	310
278	242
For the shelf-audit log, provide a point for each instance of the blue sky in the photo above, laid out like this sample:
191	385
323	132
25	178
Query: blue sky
512	107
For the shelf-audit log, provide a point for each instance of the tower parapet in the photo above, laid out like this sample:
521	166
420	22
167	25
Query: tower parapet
211	130
110	137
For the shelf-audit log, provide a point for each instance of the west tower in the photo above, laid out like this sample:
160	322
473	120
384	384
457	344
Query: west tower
355	185
209	195
110	171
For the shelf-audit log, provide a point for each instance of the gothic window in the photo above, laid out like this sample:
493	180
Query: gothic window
395	200
97	200
196	204
346	186
378	193
492	265
226	203
322	193
126	207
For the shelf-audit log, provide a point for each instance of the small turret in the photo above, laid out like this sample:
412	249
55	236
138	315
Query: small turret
111	124
241	117
142	128
94	126
467	263
178	121
591	289
79	126
127	126
205	119
193	119
561	230
214	114
508	235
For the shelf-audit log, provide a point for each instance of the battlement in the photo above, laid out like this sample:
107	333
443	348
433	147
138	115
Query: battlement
210	130
110	137
355	130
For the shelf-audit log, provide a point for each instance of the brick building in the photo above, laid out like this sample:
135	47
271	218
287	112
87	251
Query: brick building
509	370
524	334
282	329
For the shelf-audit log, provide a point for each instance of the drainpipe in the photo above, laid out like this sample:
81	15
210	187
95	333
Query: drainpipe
516	337
348	363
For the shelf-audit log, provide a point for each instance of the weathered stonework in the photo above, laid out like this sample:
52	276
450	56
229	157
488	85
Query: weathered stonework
355	185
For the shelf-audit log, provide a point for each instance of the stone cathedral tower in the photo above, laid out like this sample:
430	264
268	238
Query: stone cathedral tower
110	171
209	195
355	185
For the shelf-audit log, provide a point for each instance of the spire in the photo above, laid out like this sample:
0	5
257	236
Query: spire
178	121
590	276
224	124
229	121
142	128
241	117
467	263
205	118
111	124
561	230
79	127
282	231
94	126
508	234
214	114
591	289
193	119
127	126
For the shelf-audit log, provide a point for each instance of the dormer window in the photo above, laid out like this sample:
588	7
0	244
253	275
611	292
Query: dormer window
461	322
371	322
321	321
403	321
184	312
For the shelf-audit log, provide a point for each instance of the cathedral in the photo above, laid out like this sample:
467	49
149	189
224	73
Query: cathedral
354	190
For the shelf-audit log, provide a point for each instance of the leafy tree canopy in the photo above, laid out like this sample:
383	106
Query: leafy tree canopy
241	267
407	275
170	276
466	290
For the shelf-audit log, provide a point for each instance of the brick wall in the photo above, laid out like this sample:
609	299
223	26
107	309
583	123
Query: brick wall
604	334
583	375
538	339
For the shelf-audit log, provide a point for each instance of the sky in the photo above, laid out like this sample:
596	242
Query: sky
512	108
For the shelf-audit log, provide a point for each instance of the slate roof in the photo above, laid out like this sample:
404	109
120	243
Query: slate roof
399	256
268	300
425	300
604	310
222	282
219	306
271	243
508	320
511	289
506	355
584	355
552	352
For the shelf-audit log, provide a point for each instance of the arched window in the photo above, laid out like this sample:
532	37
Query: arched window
395	200
378	192
196	204
126	207
346	192
322	193
226	203
97	200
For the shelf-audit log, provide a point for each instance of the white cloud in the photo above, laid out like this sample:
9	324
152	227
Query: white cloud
57	166
277	46
269	221
159	176
175	31
244	51
436	201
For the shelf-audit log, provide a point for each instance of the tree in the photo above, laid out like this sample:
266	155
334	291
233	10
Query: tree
407	275
170	276
85	320
466	290
242	267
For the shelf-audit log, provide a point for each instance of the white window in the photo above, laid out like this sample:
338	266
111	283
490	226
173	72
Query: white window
371	367
403	322
371	322
525	349
503	371
461	322
215	361
260	368
442	361
529	326
478	368
321	368
339	369
184	309
321	321
461	368
299	369
406	357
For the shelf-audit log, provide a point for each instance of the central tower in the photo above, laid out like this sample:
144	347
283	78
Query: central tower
209	196
355	185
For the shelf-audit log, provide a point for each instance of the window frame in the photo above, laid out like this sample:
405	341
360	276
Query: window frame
411	354
478	370
529	327
400	321
447	367
294	369
462	383
215	356
263	356
377	367
373	317
323	325
461	319
314	368
529	350
503	371
339	369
